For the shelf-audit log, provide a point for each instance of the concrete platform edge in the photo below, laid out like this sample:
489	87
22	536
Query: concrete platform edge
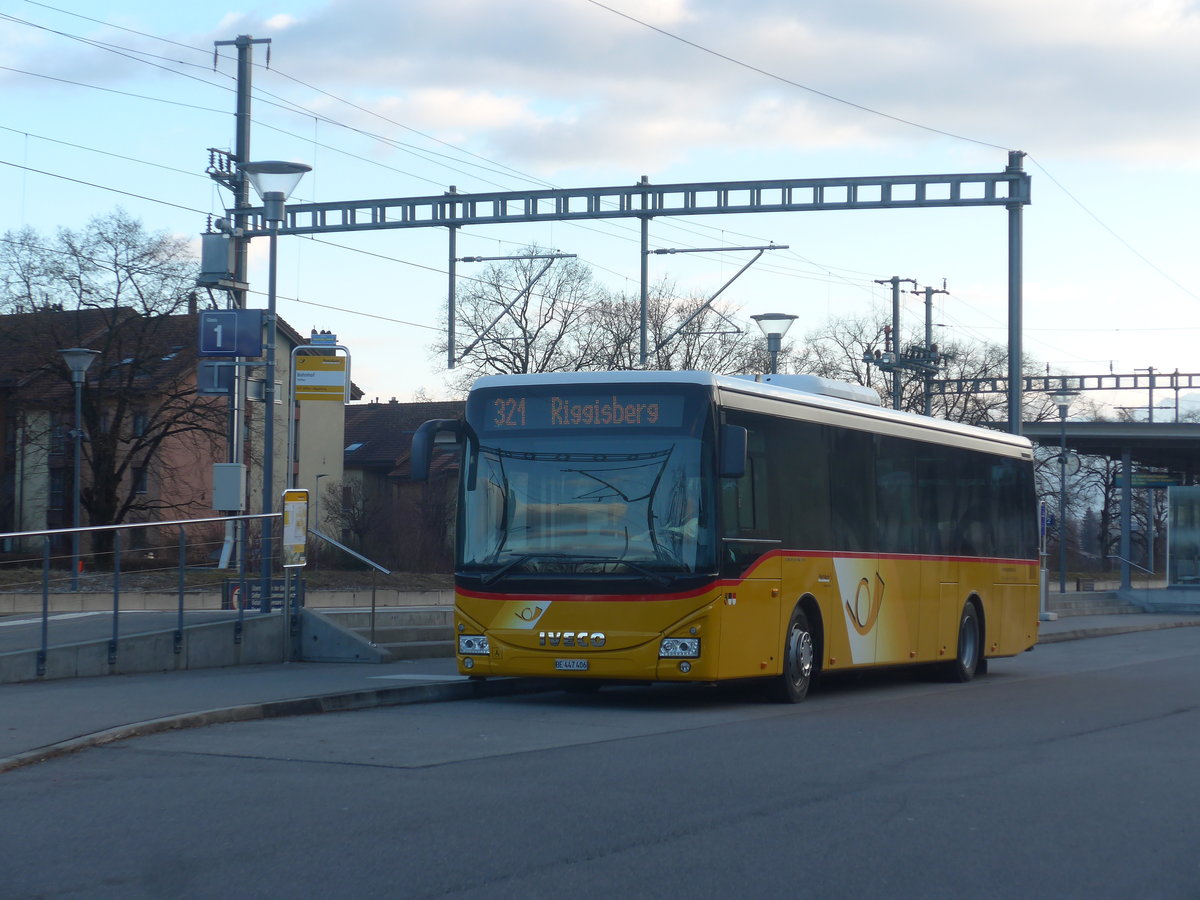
343	701
1108	630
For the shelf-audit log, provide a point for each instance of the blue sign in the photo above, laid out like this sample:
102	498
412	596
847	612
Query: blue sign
214	377
231	332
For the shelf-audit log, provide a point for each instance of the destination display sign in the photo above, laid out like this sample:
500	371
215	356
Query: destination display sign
607	410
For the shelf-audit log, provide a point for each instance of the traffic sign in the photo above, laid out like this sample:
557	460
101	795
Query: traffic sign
231	332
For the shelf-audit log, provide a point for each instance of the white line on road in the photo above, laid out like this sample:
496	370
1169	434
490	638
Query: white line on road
54	618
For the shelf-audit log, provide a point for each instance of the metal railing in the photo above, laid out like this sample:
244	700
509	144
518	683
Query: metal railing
48	535
376	570
1148	572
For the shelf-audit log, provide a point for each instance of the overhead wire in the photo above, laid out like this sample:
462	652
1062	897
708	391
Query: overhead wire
288	105
909	122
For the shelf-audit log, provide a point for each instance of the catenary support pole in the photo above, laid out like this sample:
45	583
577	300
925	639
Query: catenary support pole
268	484
1015	274
645	307
1126	518
451	293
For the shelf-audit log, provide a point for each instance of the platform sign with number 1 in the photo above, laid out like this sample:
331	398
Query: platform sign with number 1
295	528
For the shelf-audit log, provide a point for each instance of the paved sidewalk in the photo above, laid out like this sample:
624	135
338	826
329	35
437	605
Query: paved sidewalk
40	720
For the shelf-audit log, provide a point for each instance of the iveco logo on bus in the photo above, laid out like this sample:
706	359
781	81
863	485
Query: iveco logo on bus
571	638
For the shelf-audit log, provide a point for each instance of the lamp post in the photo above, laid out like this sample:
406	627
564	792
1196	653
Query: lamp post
774	326
1062	399
78	360
274	182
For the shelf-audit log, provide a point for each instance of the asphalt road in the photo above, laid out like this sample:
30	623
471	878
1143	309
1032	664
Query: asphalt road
1067	772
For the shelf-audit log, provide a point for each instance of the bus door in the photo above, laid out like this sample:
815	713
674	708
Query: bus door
940	543
866	593
751	566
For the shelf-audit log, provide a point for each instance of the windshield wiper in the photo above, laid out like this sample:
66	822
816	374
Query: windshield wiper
504	569
657	577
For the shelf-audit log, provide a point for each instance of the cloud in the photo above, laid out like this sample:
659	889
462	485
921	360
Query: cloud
1112	79
1108	79
281	22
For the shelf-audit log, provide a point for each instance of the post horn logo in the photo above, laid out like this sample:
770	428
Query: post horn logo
865	611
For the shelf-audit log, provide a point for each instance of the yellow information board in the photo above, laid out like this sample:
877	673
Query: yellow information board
321	378
295	529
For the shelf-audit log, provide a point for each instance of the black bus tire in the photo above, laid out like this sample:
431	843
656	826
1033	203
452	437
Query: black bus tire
970	645
799	661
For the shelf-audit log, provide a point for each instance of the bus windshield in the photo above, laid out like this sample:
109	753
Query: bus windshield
614	503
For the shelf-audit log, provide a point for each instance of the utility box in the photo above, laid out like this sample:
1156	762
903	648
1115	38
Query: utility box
216	259
229	487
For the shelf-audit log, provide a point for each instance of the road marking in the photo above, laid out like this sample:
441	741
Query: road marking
54	618
59	617
419	677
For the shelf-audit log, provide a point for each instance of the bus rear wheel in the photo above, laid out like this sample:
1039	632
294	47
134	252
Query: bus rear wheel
799	661
970	641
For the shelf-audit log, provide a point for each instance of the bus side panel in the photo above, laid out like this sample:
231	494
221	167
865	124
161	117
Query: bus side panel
750	634
939	591
950	606
899	584
1012	619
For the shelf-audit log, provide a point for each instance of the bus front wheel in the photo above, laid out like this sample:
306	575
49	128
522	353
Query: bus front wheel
799	661
970	642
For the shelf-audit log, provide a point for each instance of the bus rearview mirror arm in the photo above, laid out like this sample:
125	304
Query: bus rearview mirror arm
423	441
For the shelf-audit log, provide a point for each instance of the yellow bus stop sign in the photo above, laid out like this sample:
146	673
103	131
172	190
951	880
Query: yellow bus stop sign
295	528
321	378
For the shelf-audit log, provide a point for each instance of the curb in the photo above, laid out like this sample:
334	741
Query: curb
1109	630
345	701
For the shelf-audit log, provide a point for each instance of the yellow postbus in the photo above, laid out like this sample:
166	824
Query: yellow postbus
691	527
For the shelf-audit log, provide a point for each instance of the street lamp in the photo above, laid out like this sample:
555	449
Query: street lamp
78	361
274	182
774	326
1062	399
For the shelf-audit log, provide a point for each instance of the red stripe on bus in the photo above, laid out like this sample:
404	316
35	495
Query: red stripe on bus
735	582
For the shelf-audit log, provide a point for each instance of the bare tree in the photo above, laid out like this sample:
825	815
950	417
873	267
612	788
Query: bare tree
682	333
114	288
538	315
520	316
838	349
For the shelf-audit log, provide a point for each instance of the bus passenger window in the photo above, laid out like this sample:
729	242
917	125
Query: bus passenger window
737	502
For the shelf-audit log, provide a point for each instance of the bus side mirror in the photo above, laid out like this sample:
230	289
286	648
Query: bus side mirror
733	451
422	445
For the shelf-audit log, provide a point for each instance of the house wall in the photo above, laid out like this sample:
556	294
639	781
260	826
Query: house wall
32	490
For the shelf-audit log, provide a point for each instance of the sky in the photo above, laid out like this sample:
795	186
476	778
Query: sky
117	103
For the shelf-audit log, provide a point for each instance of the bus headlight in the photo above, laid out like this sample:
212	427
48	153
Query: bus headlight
679	648
475	644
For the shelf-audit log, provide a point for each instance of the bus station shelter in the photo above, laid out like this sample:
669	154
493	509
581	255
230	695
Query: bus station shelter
1170	446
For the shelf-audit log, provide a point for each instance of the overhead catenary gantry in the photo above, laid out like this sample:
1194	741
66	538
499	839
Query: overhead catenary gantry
644	202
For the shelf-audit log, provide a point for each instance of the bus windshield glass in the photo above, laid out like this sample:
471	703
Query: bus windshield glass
607	483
